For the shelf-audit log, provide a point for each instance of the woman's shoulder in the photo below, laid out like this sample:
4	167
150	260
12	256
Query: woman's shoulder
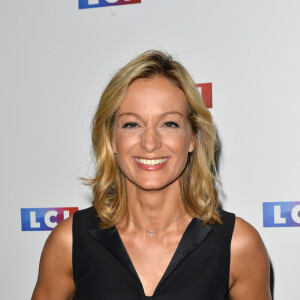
61	236
59	241
55	279
245	238
249	263
243	233
58	248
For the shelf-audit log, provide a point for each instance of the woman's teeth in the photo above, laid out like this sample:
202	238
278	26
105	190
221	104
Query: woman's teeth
150	162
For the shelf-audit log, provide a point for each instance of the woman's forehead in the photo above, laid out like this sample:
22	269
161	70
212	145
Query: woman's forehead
153	94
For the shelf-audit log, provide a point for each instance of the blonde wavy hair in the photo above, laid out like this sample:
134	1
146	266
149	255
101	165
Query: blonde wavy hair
198	190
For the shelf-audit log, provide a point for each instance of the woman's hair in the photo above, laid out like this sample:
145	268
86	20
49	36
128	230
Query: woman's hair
198	191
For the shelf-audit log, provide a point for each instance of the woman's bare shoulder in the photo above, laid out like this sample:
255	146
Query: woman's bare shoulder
59	242
245	237
55	279
249	263
61	235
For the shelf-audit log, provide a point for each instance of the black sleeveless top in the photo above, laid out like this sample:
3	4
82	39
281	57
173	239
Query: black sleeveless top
199	269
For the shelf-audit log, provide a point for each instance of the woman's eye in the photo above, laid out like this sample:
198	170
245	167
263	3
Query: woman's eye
171	124
130	125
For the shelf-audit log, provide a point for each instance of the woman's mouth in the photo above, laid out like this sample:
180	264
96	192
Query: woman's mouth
152	164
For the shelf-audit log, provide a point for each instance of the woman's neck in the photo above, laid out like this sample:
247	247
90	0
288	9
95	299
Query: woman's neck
156	208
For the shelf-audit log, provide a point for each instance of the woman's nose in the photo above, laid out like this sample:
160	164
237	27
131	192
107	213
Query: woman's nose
150	139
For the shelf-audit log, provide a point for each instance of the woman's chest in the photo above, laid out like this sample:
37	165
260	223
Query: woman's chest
195	277
150	260
193	273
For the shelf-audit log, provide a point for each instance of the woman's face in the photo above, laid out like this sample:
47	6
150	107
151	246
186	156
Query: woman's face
152	134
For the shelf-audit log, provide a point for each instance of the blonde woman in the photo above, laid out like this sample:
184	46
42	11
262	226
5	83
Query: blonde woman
155	230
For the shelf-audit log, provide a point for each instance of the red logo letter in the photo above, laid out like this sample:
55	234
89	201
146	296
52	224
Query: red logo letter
206	92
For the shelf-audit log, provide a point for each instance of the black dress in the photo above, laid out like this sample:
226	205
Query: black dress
198	270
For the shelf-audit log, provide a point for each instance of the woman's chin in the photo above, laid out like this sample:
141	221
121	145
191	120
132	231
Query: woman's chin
153	185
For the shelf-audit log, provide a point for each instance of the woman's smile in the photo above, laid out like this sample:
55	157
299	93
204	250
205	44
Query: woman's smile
151	164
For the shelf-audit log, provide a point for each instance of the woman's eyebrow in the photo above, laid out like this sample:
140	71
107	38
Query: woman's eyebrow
138	116
129	114
171	113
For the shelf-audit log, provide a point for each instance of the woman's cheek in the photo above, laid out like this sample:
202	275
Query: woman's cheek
125	140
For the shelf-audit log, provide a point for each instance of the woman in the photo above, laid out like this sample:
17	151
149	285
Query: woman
155	230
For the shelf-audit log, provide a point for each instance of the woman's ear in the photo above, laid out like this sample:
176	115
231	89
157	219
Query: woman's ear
192	145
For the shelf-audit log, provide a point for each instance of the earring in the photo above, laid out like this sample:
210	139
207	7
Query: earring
191	149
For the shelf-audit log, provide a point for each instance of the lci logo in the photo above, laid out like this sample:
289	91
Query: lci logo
281	214
102	3
40	219
206	92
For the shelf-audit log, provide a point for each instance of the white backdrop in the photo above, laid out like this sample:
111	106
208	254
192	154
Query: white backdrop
55	60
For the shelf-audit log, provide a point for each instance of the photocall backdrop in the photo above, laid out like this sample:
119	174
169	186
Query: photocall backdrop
57	56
